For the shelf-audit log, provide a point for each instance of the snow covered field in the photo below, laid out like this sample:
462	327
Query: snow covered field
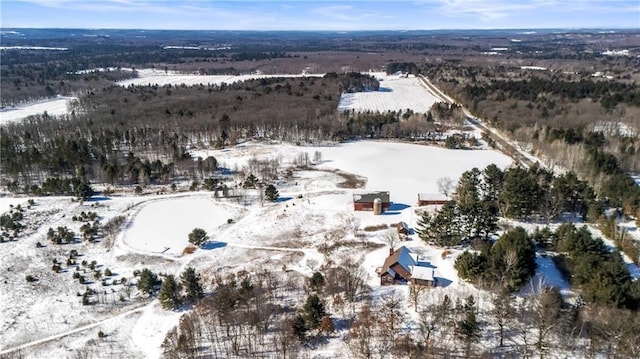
396	93
56	106
161	78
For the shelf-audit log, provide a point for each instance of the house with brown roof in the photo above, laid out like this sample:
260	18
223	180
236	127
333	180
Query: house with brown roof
402	266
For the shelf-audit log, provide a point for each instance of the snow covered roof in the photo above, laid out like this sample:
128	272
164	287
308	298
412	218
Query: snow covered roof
402	256
423	273
432	197
370	197
406	258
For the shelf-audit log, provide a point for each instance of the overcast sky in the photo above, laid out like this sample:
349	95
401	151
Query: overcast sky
321	15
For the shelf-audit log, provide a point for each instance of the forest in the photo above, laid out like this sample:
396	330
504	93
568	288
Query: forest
140	134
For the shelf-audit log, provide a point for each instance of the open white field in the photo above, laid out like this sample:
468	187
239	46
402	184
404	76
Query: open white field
396	93
161	78
56	106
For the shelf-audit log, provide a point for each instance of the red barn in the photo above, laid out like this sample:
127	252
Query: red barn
364	201
428	199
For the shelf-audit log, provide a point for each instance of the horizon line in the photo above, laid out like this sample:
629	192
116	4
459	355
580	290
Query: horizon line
331	30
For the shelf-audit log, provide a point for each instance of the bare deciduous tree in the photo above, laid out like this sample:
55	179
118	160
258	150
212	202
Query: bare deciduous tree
415	294
354	224
390	237
445	185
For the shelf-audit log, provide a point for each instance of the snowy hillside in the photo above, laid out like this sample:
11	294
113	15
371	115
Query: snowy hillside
252	237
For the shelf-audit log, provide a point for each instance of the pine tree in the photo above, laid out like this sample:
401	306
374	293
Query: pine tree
468	202
492	182
84	191
471	266
271	193
423	228
148	280
313	311
168	295
513	256
191	282
468	329
316	282
445	226
299	327
198	236
520	193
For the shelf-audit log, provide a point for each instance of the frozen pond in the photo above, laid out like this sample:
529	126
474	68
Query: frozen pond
163	226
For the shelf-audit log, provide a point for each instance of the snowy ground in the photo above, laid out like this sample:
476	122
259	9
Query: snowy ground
396	93
281	235
56	106
271	236
154	229
161	78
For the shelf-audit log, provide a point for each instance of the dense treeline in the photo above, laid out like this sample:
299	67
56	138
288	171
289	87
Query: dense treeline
141	134
614	185
587	263
404	67
355	82
573	119
22	80
509	262
29	82
608	93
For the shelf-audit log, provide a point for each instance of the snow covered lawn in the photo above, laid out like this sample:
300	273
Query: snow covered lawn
547	275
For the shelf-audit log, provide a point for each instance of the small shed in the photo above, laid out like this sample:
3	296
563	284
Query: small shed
403	229
365	201
429	199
